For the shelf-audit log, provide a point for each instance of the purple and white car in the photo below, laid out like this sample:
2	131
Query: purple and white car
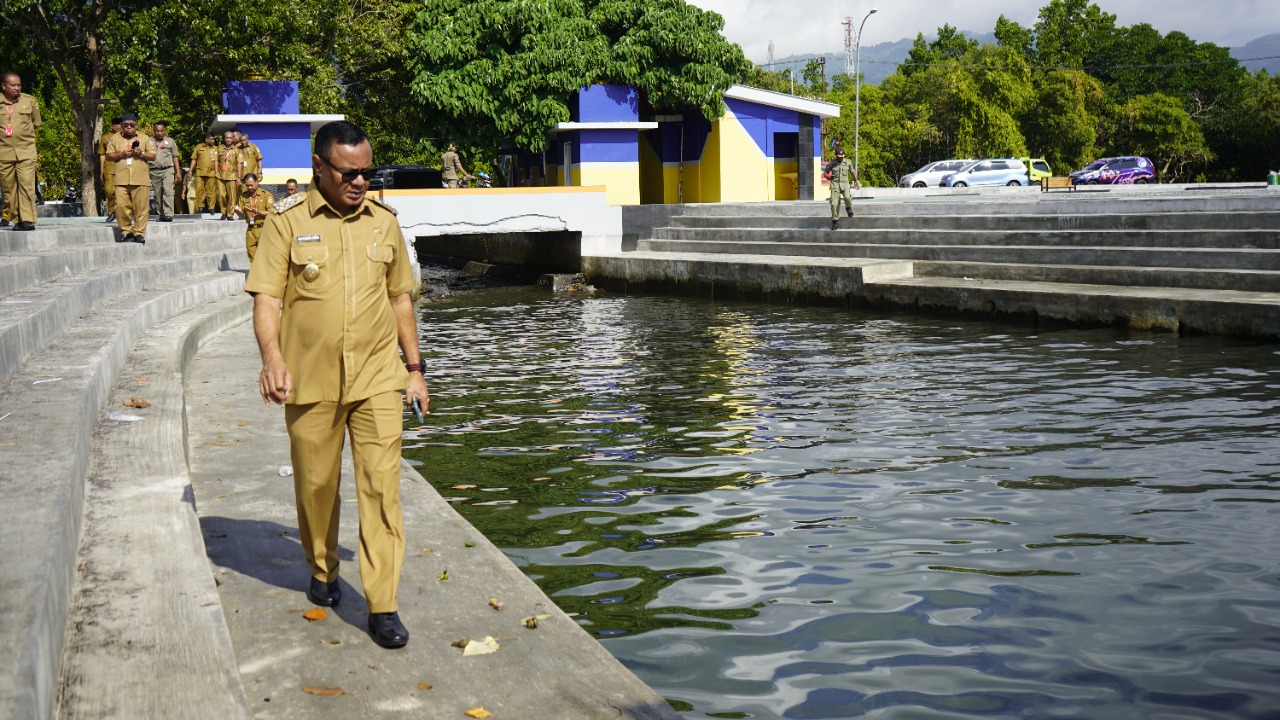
1125	170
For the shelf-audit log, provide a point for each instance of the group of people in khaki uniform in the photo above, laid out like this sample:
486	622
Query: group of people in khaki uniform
331	284
20	121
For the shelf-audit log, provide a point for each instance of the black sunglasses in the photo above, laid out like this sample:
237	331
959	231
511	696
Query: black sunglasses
349	176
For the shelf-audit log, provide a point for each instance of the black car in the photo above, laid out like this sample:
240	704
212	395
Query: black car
406	177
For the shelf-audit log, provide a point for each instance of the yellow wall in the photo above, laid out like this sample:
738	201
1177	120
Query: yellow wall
785	187
652	177
621	180
744	173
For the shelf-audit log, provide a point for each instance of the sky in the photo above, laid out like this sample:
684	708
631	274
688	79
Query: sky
814	26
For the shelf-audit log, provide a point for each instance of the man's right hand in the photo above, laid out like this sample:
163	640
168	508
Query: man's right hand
274	382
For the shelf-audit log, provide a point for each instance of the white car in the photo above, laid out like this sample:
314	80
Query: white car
931	175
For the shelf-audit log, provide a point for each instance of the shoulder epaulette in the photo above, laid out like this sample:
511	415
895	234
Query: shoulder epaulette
382	205
289	201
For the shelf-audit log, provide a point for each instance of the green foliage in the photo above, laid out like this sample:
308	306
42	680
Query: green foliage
502	71
1061	125
1157	126
1070	32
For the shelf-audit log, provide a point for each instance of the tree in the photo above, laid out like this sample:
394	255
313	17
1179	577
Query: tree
1070	32
504	70
1158	127
950	45
1061	125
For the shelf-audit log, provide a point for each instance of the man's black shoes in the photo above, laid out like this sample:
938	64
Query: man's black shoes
127	237
4	223
833	224
165	218
24	226
139	239
387	630
323	593
850	212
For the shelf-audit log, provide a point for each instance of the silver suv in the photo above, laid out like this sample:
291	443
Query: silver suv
931	175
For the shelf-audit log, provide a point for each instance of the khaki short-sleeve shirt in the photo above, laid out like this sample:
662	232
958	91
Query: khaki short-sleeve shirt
167	154
131	171
228	163
19	121
261	202
206	160
335	276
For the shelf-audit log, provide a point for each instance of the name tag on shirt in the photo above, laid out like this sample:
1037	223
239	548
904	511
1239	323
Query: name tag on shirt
306	238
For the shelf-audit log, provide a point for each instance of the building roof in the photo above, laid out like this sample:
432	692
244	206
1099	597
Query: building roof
820	108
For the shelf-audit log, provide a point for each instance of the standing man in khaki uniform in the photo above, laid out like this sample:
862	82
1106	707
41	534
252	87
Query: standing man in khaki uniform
131	151
451	167
20	122
330	286
840	170
204	168
166	171
254	205
228	180
250	157
107	170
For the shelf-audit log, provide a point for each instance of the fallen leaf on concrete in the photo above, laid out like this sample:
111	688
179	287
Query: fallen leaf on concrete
315	614
136	402
532	621
244	424
424	686
496	604
328	691
426	550
479	712
142	379
468	544
444	575
335	641
486	647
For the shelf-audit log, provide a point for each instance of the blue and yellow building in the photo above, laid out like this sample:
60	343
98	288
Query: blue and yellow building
767	146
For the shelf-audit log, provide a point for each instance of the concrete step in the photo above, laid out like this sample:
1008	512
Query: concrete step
1166	257
849	232
144	598
22	270
1028	222
90	232
53	401
32	317
1248	280
1219	312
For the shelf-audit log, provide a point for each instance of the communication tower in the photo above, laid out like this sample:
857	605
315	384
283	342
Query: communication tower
848	46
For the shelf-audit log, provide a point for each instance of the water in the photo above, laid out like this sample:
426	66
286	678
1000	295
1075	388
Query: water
787	512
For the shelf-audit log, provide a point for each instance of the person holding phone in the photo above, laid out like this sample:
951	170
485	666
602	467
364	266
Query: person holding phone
130	151
332	313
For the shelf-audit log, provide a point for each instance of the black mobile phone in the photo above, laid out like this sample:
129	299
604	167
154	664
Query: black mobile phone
417	410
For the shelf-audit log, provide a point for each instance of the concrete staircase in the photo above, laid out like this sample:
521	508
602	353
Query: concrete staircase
1208	263
86	323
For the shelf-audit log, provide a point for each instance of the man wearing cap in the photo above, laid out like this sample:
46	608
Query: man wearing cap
130	151
107	170
840	170
20	121
166	171
331	287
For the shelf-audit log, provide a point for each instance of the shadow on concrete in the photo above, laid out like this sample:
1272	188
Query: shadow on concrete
271	553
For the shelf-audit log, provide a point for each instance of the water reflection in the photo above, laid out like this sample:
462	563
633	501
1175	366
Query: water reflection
806	513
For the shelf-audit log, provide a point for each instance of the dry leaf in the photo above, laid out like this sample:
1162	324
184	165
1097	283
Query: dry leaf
532	622
335	641
424	686
487	647
315	614
496	604
142	379
136	402
479	712
244	424
326	691
468	544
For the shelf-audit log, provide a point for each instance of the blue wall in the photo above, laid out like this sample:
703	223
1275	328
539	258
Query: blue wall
260	97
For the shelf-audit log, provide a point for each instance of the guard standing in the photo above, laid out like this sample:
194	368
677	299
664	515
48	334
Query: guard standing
107	170
130	151
451	167
204	168
330	286
166	171
20	121
254	205
840	170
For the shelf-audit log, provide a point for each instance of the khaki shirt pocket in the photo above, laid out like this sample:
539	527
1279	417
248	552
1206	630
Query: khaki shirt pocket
310	269
380	258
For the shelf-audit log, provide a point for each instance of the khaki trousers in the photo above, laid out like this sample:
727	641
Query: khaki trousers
133	204
228	191
18	185
837	193
162	181
316	434
206	196
251	237
109	189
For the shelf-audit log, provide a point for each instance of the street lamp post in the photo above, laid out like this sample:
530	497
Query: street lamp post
857	92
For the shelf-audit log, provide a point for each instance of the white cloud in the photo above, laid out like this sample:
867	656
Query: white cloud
812	26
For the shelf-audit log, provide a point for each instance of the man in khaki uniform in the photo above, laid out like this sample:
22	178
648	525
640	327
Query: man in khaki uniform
228	180
204	168
166	171
451	167
254	205
19	123
131	151
107	170
330	285
840	170
250	157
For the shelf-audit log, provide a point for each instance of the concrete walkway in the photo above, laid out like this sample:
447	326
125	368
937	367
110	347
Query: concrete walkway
246	512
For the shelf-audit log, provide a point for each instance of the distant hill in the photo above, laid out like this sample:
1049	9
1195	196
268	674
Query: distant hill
881	60
1267	46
